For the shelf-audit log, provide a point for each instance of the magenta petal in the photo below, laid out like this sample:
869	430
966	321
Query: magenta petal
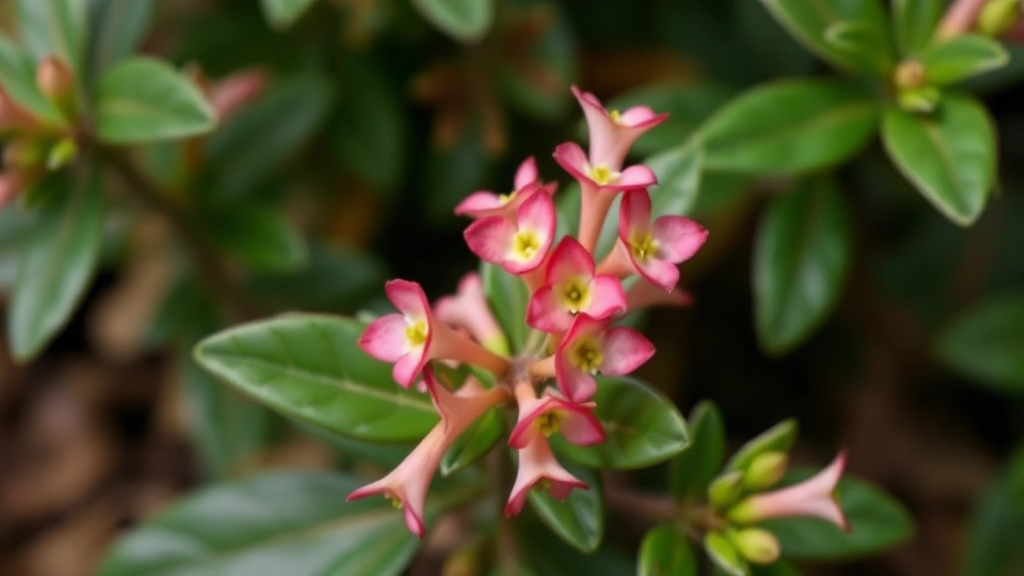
579	425
526	174
414	523
575	385
385	339
545	313
408	367
408	297
524	430
478	202
538	214
634	177
678	238
571	157
569	260
607	297
634	214
489	238
663	274
625	350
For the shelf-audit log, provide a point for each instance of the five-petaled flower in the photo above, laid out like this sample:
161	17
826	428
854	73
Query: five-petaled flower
572	287
483	203
613	132
518	245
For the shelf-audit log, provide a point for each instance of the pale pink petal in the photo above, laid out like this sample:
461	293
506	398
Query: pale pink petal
546	313
607	297
570	260
571	157
658	272
575	385
625	350
579	425
408	297
536	463
602	133
526	174
640	115
478	202
385	338
678	238
635	177
814	497
490	238
634	214
408	367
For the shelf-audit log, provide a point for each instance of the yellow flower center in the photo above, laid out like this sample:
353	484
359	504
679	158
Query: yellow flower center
396	502
603	175
616	116
416	333
575	295
506	198
644	247
549	423
586	355
525	244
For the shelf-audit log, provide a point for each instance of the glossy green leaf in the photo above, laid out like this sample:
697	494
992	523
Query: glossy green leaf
283	13
146	100
802	254
692	470
778	438
666	551
463	20
643	427
877	522
724	555
18	77
962	57
258	140
116	27
985	343
57	264
809	20
548	556
789	127
993	543
949	156
55	27
310	367
862	42
914	22
259	237
474	443
508	297
579	519
294	522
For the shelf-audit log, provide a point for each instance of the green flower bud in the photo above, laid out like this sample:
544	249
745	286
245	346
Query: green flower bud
61	154
756	545
921	100
765	471
998	16
726	489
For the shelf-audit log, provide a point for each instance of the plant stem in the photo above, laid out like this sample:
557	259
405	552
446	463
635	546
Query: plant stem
658	508
505	538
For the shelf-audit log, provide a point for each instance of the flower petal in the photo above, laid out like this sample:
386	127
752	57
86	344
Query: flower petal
663	274
479	203
408	367
489	238
546	313
638	116
538	214
385	338
634	214
579	424
571	157
569	260
526	174
678	238
576	385
634	177
607	298
624	350
408	297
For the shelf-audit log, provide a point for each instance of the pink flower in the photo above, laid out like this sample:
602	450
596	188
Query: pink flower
550	414
230	94
518	245
571	287
814	497
646	295
468	309
484	203
656	250
613	133
589	347
459	409
538	465
600	176
413	337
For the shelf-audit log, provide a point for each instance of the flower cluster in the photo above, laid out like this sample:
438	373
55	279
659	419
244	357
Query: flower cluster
577	295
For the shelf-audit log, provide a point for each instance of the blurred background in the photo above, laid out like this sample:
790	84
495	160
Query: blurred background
363	125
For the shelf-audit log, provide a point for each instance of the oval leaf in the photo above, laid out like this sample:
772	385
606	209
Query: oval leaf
789	127
693	470
877	523
993	544
666	551
579	519
115	29
803	251
309	367
464	20
294	522
145	100
914	22
643	427
18	77
986	341
474	443
282	13
508	297
55	27
962	57
778	438
57	263
259	237
949	156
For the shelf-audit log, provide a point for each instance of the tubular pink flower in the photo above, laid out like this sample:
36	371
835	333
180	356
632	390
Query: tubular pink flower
653	250
538	465
518	245
612	133
646	295
589	347
484	203
468	309
413	337
234	92
572	287
459	409
550	414
814	497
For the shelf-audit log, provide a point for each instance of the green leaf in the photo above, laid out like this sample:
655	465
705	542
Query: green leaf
789	127
145	100
18	77
985	343
547	556
309	367
259	237
877	523
474	443
724	555
778	438
666	551
962	57
802	255
261	137
809	20
779	568
863	43
914	22
296	522
643	427
283	13
993	543
57	265
949	156
579	520
55	27
508	297
463	20
536	81
116	27
692	470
